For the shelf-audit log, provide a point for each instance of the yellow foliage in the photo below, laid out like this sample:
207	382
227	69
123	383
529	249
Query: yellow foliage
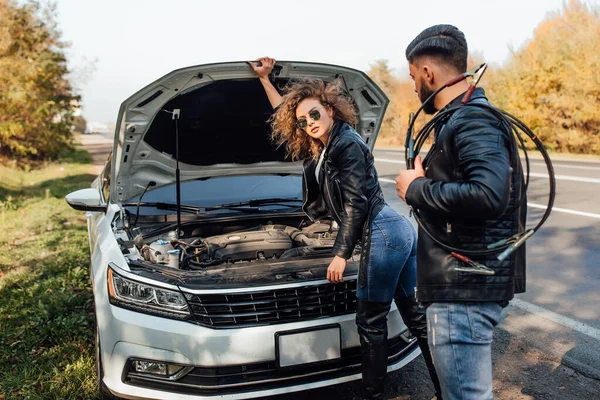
552	83
36	98
403	101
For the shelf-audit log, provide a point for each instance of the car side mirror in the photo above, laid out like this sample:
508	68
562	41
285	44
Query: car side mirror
86	200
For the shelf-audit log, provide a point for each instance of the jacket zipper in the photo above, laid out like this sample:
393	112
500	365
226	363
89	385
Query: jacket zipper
329	198
305	197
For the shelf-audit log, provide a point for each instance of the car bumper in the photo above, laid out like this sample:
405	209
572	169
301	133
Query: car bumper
226	363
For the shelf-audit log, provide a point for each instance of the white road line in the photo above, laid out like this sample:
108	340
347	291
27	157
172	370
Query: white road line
564	210
533	174
533	205
532	161
538	164
565	177
559	319
389	160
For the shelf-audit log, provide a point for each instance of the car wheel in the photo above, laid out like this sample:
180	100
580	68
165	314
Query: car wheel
103	391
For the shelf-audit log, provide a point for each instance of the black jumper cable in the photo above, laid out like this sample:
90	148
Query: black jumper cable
504	247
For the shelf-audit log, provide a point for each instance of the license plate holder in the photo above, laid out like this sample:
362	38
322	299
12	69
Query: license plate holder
307	347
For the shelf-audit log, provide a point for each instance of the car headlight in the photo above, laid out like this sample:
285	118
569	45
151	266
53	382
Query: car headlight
127	293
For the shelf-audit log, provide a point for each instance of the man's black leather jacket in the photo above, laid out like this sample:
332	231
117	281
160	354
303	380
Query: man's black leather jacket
349	189
471	196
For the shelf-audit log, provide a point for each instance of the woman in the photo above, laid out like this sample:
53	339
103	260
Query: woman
314	120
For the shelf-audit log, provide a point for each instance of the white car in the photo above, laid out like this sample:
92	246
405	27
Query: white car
228	297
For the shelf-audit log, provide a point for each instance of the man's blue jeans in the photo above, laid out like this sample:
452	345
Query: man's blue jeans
460	340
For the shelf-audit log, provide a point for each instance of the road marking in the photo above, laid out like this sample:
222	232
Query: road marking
389	160
532	161
559	319
537	164
565	177
564	210
533	174
533	205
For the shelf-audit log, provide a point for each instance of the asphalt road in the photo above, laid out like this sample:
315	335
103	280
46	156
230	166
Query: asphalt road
548	345
563	257
560	312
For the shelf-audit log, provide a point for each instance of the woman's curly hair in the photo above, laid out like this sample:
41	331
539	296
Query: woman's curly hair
299	145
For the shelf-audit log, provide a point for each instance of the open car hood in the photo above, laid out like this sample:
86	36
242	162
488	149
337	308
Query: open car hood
222	125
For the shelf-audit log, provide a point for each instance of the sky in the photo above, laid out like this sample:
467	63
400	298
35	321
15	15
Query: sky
119	46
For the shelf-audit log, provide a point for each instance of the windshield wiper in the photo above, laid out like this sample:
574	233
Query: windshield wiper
243	206
166	206
256	203
191	209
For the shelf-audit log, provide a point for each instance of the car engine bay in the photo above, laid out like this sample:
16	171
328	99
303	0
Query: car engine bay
253	244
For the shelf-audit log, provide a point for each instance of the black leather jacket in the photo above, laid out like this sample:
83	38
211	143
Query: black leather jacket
469	198
349	189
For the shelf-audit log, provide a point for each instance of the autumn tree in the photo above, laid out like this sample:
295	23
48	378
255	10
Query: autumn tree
403	101
36	99
553	82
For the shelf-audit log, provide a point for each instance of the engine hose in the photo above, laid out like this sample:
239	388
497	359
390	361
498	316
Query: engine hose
516	129
194	244
201	265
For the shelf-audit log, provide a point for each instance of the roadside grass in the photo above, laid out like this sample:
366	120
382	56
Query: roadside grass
46	309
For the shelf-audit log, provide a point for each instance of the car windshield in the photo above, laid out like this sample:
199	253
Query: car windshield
225	191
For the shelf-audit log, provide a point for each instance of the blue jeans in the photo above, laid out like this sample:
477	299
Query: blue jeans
392	260
460	340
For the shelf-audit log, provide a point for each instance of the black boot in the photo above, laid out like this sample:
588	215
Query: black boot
415	320
371	319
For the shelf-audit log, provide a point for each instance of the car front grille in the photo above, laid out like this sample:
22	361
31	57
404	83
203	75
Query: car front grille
274	306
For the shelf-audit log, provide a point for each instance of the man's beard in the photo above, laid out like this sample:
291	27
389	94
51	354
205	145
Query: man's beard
424	93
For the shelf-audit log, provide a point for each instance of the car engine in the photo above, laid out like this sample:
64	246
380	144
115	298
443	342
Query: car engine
255	244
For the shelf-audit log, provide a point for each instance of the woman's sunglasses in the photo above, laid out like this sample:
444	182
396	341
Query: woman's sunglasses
302	123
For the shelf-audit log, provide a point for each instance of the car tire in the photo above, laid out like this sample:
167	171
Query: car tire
103	391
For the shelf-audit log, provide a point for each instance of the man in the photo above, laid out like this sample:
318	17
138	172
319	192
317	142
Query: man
469	193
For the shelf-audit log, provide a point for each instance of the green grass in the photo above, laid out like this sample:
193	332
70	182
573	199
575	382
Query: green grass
46	310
